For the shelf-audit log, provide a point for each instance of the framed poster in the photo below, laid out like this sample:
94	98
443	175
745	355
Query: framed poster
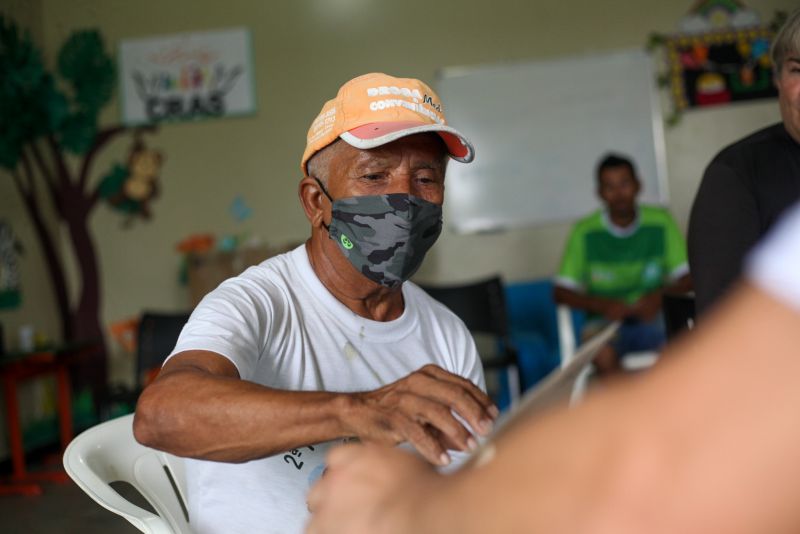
186	76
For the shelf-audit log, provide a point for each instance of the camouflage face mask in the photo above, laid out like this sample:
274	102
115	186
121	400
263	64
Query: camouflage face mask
385	237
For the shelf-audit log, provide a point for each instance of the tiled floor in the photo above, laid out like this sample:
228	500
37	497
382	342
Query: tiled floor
64	509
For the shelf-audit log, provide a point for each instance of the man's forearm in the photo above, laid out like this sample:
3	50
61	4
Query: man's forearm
678	286
582	301
199	407
188	411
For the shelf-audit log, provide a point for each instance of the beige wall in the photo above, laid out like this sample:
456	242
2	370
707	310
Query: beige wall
304	49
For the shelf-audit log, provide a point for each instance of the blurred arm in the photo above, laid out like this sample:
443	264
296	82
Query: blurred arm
704	443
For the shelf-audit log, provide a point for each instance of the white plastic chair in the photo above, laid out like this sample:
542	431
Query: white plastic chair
632	361
109	453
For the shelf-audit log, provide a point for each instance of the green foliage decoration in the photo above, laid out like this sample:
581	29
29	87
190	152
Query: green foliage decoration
90	75
30	103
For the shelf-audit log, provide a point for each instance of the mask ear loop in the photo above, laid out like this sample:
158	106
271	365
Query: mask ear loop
325	191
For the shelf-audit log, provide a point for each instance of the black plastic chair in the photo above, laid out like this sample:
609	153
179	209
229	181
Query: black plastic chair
156	336
482	307
679	313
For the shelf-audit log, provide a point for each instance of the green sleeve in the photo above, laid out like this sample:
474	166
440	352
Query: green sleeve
676	246
573	264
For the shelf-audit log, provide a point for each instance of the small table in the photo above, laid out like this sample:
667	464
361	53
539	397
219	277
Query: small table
17	368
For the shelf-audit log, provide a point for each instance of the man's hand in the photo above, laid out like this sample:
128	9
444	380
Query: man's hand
616	310
419	409
646	308
611	309
369	489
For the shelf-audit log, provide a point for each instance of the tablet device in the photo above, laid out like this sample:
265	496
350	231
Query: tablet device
554	390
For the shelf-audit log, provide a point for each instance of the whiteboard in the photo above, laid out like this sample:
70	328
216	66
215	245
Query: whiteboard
539	130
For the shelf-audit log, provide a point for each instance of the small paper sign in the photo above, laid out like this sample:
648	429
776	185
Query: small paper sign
186	76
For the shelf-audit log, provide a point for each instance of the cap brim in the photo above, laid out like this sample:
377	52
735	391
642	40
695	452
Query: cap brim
379	133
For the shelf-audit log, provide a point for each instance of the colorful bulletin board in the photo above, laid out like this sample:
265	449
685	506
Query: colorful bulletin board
187	76
719	55
720	67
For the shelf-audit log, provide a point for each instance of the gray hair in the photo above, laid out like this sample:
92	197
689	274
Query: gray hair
786	42
319	164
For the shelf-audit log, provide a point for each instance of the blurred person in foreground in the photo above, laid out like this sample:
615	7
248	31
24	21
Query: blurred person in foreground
706	442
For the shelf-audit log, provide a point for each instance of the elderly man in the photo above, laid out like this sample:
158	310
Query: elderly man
327	343
749	184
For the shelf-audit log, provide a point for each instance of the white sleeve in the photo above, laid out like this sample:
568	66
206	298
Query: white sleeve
233	321
774	264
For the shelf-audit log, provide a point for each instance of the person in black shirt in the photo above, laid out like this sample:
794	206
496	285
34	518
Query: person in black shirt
749	184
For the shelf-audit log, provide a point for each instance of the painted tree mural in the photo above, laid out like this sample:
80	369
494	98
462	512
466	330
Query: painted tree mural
49	140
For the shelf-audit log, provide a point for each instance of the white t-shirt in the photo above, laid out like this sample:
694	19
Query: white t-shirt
281	328
774	265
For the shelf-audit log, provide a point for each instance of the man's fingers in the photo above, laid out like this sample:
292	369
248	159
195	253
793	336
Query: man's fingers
432	409
446	442
406	424
479	395
316	495
430	412
343	455
426	443
441	374
338	458
453	395
362	489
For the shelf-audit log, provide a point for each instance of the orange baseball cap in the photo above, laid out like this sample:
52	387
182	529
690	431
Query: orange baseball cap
375	109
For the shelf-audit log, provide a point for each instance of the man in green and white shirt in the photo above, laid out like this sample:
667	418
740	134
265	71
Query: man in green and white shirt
618	262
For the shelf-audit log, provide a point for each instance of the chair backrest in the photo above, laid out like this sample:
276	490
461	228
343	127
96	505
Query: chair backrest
567	333
157	335
533	328
109	453
531	307
679	313
481	305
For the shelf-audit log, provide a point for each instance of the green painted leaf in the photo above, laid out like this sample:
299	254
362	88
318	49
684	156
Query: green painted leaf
89	70
30	103
77	132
